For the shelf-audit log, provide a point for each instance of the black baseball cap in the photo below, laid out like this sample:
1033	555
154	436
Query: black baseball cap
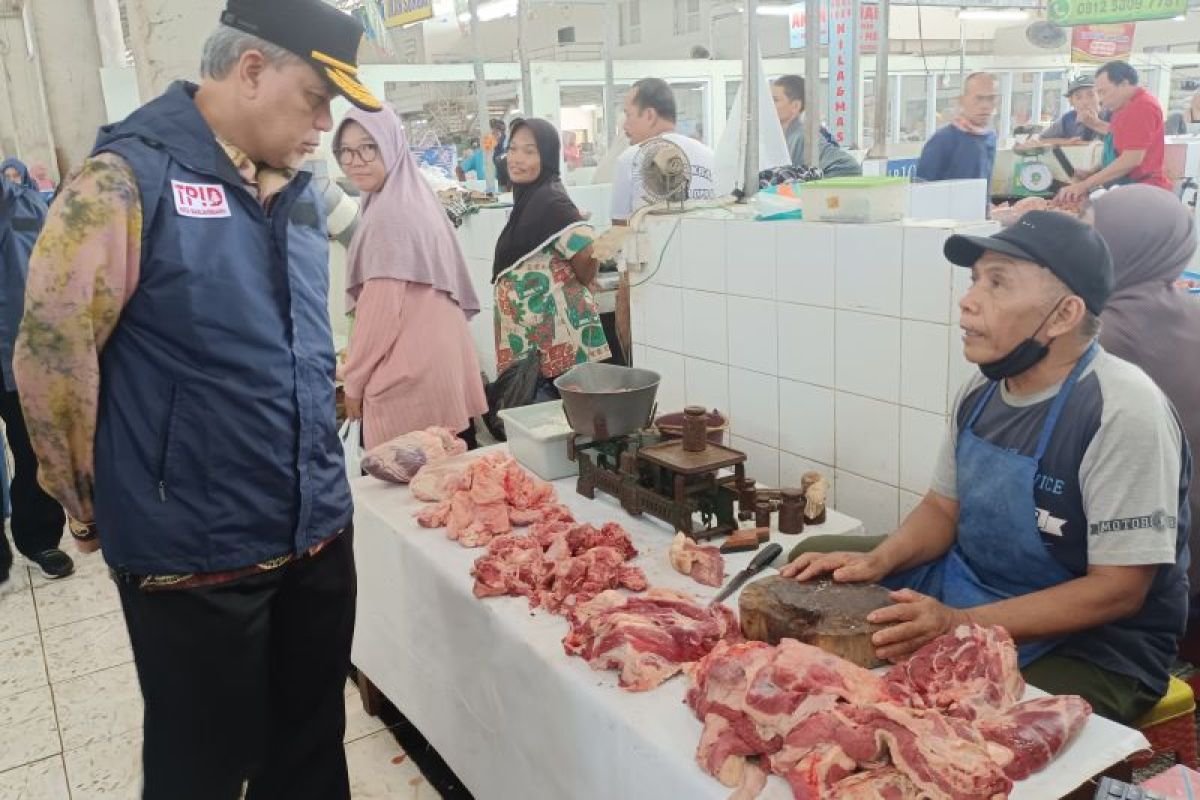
1073	251
1082	82
317	32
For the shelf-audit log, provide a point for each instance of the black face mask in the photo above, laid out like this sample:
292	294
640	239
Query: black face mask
1022	357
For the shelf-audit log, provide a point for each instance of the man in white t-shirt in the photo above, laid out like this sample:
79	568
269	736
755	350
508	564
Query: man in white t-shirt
650	113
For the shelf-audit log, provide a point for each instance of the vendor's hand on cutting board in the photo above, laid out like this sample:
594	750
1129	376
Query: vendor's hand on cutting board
914	621
842	567
353	407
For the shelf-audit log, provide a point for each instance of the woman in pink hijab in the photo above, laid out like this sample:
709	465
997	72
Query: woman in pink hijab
411	362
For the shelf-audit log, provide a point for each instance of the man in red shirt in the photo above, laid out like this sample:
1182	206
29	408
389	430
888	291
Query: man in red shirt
1136	135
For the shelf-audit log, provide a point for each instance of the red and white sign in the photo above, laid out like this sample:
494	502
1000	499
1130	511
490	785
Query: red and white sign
868	25
1096	44
203	200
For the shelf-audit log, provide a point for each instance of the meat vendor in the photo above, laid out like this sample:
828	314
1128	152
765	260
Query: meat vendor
1058	508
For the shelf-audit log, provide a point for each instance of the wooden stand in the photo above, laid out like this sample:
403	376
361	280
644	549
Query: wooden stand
670	483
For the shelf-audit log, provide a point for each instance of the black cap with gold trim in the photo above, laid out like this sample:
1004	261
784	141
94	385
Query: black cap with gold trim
313	30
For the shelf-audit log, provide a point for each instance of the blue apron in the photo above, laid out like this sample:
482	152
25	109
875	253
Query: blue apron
998	552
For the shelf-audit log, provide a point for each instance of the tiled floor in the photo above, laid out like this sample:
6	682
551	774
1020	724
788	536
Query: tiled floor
70	709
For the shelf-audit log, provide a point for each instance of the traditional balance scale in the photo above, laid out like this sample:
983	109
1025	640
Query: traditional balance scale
610	410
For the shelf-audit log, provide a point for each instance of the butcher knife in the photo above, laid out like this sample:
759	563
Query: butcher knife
757	565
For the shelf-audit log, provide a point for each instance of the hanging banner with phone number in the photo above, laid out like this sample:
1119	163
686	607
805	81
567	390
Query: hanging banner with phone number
1084	12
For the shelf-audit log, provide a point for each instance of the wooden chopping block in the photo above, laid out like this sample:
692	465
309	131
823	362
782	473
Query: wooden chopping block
831	616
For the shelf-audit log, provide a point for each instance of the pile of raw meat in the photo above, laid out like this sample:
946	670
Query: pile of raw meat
947	724
704	564
649	637
558	564
400	459
490	497
575	570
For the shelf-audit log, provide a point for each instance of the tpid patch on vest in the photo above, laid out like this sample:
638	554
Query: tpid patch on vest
204	200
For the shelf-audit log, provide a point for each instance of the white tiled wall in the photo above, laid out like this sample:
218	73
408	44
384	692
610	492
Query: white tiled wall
703	254
867	355
705	325
830	347
707	383
754	406
806	336
753	334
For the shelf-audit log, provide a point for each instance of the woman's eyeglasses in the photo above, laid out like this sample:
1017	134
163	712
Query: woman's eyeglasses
366	153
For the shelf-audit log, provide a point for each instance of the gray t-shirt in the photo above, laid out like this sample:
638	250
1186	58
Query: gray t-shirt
1111	490
1112	464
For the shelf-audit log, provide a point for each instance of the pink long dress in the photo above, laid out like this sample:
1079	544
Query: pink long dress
412	361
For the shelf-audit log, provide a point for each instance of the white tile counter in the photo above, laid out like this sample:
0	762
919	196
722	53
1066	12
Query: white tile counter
831	347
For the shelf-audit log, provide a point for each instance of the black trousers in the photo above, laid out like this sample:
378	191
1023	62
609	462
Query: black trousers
608	321
37	518
469	437
246	681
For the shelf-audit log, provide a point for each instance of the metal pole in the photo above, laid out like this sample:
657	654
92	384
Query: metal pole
962	53
610	92
930	105
481	101
523	48
812	79
750	81
879	137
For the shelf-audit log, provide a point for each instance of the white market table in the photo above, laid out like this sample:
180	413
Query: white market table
488	684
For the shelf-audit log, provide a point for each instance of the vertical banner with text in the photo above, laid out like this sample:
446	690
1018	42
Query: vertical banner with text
843	71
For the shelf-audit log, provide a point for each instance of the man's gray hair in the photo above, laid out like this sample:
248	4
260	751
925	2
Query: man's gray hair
1089	325
226	45
1089	328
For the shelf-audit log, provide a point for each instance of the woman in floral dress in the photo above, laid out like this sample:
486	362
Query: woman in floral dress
544	265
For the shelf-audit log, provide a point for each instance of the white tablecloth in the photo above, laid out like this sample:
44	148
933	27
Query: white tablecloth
488	684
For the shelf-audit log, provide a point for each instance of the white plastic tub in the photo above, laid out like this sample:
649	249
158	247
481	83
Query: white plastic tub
853	199
537	437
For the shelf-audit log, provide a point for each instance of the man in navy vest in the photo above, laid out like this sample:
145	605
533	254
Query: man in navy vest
176	366
37	519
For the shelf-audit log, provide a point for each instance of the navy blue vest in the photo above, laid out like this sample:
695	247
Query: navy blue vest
216	445
22	214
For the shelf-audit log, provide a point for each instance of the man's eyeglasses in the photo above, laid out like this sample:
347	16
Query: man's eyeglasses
366	153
